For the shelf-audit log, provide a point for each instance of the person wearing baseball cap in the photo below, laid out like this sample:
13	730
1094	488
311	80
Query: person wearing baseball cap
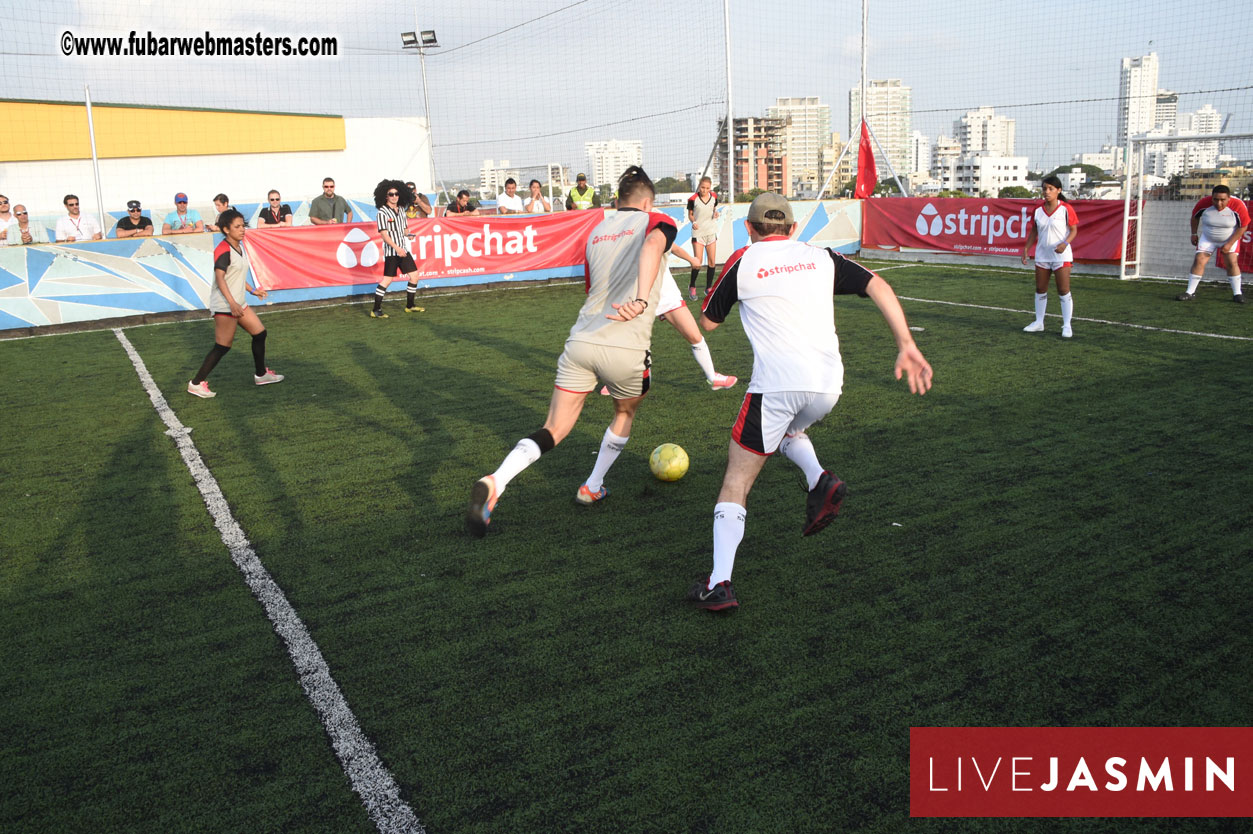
789	318
581	196
134	224
182	221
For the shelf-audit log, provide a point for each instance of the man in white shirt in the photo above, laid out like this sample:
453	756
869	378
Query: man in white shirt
784	288
77	226
509	202
6	220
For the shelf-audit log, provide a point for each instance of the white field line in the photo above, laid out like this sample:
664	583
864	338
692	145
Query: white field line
1079	318
372	782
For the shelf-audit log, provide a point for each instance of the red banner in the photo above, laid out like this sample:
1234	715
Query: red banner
984	227
314	256
1080	771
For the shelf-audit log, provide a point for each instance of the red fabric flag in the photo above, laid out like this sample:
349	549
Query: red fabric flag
867	175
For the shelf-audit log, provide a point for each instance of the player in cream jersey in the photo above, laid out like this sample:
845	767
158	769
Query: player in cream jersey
609	343
784	289
1054	225
1218	223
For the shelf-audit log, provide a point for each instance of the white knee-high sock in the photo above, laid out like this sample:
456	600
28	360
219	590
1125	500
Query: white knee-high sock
1068	307
728	533
1236	287
1194	281
700	352
1041	304
610	447
799	449
523	455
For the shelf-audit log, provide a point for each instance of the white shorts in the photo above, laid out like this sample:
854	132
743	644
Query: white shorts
705	238
1045	263
671	298
765	419
1208	246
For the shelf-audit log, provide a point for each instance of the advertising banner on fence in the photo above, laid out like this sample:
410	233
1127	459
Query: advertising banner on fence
317	256
984	227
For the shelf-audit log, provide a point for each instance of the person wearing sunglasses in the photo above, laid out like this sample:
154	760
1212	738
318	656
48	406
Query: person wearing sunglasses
134	224
329	207
182	221
76	226
391	198
6	218
421	206
22	232
276	212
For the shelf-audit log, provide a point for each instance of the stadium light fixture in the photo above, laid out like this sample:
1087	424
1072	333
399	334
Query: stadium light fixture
422	40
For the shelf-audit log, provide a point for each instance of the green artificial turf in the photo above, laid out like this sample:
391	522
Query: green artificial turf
1053	536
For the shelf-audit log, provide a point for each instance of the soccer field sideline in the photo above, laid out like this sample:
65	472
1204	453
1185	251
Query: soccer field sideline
370	779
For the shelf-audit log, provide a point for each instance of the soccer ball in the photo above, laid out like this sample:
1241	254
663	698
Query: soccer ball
668	462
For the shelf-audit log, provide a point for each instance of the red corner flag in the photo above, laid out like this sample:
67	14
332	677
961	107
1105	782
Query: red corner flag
867	176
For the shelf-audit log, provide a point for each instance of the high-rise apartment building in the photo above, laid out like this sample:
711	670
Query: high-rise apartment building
889	112
761	160
983	130
1167	109
1137	95
808	128
492	178
607	160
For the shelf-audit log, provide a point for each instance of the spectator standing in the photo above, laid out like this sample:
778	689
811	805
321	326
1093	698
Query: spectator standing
76	226
276	212
182	221
509	202
329	207
581	196
22	232
134	224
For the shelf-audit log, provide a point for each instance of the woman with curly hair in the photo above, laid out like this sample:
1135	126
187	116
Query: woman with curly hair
391	198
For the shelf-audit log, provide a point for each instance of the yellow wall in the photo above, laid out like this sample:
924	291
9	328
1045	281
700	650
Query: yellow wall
39	131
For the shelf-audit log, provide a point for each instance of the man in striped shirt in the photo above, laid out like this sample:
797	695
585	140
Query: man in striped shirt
392	197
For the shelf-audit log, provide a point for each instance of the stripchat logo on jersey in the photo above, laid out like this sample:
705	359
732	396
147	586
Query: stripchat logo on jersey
987	223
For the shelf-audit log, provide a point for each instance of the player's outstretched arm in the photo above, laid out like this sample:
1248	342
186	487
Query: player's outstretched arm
910	362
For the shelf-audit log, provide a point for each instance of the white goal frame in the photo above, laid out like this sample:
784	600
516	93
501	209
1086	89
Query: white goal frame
1133	180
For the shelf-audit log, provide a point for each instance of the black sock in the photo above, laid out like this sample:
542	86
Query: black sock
258	352
217	352
709	276
379	292
695	275
411	292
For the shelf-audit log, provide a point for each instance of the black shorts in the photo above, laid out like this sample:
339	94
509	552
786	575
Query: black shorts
394	264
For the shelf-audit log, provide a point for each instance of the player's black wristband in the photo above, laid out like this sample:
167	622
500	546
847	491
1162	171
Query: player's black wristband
644	301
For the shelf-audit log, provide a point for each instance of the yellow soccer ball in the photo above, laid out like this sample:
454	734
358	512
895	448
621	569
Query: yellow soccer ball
668	462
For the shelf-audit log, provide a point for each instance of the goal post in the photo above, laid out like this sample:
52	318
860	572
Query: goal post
1166	175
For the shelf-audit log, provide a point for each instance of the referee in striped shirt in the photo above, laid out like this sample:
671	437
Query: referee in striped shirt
391	198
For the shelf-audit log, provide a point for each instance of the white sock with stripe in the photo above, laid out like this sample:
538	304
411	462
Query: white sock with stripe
1068	307
610	447
728	533
523	455
700	352
1041	305
799	449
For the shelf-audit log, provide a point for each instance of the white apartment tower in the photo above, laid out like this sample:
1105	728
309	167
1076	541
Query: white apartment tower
919	155
983	130
607	160
1167	109
1137	95
889	112
807	131
492	178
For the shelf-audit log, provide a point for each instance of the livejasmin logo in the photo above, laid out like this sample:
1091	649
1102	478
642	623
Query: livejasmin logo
983	224
1023	775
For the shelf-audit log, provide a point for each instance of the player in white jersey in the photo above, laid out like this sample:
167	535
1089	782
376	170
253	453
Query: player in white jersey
1218	223
609	343
785	288
702	213
1054	225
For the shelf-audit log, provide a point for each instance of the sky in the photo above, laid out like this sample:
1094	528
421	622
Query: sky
531	80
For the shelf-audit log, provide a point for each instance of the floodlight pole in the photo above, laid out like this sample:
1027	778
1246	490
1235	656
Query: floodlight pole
726	26
426	98
95	160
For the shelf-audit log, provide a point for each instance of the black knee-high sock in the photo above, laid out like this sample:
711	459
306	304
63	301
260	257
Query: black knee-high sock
411	292
695	275
258	352
217	352
379	292
709	276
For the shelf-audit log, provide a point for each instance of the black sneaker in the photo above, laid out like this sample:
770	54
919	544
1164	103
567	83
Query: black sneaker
823	503
717	598
1187	296
1238	298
